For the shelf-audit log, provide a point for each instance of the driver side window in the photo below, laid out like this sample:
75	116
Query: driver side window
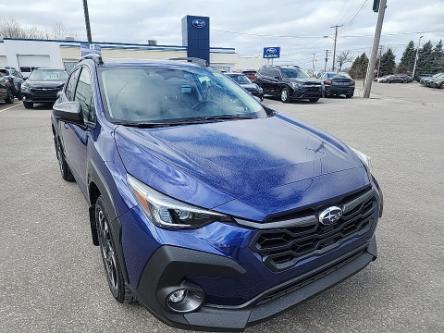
84	95
71	85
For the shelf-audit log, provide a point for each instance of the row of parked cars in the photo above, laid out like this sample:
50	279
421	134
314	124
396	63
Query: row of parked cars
433	81
395	78
42	85
292	83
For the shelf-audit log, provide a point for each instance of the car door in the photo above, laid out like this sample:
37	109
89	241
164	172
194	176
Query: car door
275	82
264	80
75	136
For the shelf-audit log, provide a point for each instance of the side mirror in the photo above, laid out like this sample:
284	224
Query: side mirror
68	111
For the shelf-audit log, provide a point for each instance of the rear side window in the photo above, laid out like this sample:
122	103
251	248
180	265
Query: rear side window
71	85
84	95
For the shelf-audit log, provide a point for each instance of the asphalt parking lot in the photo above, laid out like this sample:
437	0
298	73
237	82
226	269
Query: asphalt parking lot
52	279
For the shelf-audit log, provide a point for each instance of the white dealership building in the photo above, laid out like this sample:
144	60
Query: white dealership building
26	54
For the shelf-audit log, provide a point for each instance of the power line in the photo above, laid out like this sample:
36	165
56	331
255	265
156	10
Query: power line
324	36
356	13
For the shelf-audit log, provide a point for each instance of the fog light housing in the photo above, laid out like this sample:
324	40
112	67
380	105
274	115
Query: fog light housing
184	299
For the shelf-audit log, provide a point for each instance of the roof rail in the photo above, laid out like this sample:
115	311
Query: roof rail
195	60
94	57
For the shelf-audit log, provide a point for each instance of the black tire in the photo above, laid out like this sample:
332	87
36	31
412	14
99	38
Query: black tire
108	252
314	100
284	96
65	171
28	105
10	98
349	96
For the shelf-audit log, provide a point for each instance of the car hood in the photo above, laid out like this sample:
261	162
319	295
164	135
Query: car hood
246	168
45	84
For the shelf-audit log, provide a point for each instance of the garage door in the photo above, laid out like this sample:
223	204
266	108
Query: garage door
30	61
2	61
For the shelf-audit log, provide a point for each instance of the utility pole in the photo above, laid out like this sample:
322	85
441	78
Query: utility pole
326	59
379	62
416	56
371	65
334	48
88	26
314	59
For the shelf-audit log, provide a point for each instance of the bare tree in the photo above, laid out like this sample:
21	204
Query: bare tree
59	31
12	29
343	58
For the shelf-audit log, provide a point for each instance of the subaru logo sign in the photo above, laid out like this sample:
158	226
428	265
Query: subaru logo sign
199	23
330	215
272	52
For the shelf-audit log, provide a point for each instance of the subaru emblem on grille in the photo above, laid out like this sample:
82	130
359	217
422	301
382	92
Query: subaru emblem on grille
330	216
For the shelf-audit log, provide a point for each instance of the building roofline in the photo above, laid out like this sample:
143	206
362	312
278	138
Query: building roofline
115	44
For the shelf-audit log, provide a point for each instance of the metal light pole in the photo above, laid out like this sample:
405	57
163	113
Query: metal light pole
88	26
379	62
371	65
416	56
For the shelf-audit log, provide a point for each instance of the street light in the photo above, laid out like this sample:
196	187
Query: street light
416	57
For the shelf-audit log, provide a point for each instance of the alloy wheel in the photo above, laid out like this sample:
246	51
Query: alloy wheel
284	95
107	250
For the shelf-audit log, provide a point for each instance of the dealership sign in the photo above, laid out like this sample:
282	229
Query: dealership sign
86	48
272	52
199	23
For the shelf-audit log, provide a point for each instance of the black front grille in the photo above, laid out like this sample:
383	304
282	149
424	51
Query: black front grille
283	247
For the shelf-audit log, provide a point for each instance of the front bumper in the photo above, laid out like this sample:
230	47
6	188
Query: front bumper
307	92
345	90
47	96
170	265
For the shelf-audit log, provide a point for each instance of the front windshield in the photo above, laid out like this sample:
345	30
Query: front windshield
294	73
153	94
48	75
241	79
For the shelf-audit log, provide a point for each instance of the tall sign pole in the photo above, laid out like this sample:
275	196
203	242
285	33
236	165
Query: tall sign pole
88	26
372	63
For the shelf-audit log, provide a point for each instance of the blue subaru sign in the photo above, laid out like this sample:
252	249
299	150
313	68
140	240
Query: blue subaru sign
272	52
199	23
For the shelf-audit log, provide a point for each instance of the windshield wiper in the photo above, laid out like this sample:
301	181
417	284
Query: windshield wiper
200	120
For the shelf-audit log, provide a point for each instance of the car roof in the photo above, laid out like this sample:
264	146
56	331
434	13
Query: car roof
146	62
234	73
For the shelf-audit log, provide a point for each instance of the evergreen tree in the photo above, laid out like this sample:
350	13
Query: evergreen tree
407	59
358	69
388	63
425	59
438	58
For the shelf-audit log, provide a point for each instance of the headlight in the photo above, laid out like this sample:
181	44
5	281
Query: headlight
364	158
24	87
167	212
295	85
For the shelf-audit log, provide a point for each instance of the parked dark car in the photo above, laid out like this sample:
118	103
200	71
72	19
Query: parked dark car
244	82
251	74
15	79
5	89
210	209
336	84
438	81
397	78
422	76
42	86
288	83
427	80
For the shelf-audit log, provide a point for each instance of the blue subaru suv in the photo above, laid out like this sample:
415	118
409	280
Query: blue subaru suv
210	209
